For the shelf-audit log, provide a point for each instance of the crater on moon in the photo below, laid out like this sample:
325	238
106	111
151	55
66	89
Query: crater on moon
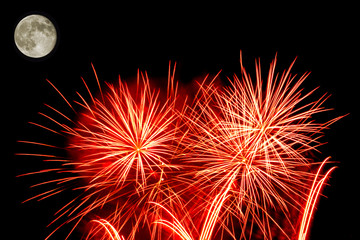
35	36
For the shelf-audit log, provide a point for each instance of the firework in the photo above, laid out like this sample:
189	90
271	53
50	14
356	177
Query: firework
136	157
121	148
253	139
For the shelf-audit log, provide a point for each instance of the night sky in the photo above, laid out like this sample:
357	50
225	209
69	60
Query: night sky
122	38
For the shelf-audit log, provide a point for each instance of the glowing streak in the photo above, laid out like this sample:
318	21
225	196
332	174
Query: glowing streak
67	102
110	230
175	225
312	200
214	210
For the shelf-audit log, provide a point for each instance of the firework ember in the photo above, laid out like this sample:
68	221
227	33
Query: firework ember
237	163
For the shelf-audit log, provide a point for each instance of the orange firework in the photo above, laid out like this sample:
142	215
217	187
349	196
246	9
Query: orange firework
258	134
121	150
235	164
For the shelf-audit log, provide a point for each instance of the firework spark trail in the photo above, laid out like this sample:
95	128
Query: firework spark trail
110	230
214	210
263	133
211	218
175	226
313	197
121	149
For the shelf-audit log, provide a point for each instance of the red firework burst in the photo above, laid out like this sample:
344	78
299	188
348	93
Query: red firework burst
121	150
137	156
252	141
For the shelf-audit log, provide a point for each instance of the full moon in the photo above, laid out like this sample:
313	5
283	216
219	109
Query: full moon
35	36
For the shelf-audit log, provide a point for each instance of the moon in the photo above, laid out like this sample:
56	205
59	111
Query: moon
35	36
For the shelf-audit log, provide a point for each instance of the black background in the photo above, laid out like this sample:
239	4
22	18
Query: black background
202	39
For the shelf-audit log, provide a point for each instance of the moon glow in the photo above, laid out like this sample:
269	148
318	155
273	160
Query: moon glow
35	36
